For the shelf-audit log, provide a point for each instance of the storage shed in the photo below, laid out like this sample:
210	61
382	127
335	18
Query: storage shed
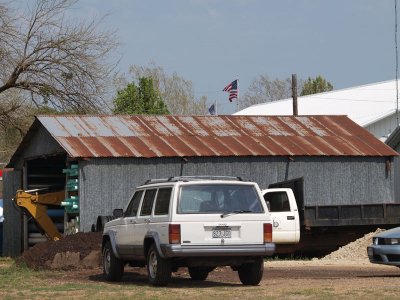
100	159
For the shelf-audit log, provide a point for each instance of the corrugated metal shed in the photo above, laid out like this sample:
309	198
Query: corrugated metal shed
191	136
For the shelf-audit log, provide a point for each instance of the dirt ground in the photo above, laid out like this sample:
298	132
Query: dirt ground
345	273
292	279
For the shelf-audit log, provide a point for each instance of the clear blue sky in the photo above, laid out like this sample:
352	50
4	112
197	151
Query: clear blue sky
210	42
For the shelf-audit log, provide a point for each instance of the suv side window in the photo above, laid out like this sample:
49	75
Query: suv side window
162	201
278	201
133	206
148	202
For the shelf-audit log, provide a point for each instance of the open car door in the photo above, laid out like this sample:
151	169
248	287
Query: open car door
284	213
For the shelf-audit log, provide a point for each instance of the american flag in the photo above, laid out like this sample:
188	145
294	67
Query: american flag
232	89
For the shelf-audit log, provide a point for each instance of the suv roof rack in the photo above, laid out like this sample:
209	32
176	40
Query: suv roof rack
193	178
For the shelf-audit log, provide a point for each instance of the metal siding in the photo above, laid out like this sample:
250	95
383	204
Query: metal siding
106	183
41	144
384	127
182	136
396	170
12	234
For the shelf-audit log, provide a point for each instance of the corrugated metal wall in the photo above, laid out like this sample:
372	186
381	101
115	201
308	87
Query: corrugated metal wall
41	144
106	184
12	215
396	170
383	128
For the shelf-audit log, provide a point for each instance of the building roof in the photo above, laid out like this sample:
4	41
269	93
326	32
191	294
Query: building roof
364	104
85	136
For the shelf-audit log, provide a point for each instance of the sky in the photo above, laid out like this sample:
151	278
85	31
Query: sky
212	42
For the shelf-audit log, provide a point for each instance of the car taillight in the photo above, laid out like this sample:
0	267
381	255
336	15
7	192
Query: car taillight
174	233
267	233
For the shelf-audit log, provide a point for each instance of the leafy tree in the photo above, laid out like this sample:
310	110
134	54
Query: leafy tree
51	59
263	89
317	85
48	60
176	92
141	99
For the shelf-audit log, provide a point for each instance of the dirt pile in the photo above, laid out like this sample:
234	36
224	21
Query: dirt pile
356	250
80	250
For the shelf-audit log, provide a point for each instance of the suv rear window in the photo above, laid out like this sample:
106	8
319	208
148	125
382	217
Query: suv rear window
218	198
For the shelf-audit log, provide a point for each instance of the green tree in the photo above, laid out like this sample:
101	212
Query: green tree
140	99
315	86
176	92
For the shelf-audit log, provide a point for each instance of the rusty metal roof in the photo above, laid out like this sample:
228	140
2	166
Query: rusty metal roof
180	136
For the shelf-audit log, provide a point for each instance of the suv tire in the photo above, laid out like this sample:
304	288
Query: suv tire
198	273
113	268
158	268
251	273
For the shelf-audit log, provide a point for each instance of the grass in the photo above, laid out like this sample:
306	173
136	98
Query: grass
21	282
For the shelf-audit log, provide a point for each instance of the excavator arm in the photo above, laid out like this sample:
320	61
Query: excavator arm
36	205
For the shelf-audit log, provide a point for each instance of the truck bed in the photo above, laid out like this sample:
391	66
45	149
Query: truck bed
351	215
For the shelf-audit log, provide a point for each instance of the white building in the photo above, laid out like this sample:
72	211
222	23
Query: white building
372	106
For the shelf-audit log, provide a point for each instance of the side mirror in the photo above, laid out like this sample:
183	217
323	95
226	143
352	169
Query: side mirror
118	213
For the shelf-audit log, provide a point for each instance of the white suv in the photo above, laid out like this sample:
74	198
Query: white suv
195	222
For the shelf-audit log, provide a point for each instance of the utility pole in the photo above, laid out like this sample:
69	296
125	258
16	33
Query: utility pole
294	94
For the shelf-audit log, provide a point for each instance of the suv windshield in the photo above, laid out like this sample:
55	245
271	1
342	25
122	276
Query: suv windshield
218	198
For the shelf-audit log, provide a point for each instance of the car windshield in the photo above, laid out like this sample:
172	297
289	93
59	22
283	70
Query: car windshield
219	198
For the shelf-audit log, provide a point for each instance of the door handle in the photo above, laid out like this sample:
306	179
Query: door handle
290	217
132	221
147	220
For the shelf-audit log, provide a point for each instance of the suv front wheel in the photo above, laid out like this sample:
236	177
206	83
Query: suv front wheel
113	268
252	273
158	268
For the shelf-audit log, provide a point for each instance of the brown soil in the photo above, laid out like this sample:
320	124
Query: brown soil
39	255
42	254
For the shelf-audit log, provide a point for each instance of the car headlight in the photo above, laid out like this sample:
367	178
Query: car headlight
393	241
375	240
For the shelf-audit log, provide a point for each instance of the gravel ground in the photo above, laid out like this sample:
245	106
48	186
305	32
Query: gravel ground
355	251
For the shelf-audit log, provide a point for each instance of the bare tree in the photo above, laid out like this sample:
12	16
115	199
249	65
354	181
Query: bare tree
263	89
53	60
175	91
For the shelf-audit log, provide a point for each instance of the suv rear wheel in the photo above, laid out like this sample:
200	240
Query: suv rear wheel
198	273
251	273
113	268
158	268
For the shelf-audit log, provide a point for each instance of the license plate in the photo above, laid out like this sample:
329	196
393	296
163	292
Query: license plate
221	233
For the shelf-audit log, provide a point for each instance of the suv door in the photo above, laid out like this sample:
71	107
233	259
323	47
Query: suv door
220	214
159	219
125	231
143	220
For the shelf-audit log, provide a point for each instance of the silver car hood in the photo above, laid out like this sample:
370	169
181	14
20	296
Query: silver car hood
391	233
